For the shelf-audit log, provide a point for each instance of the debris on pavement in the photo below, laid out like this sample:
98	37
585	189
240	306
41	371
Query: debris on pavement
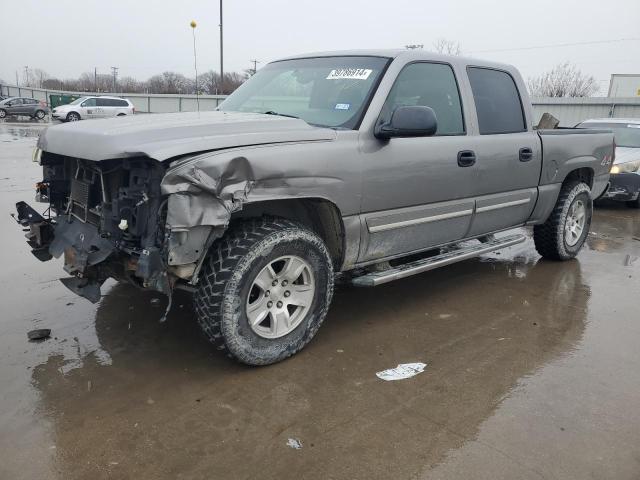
629	259
402	371
39	334
294	443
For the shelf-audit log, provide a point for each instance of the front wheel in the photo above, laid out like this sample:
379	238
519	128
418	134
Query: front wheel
561	237
73	117
3	113
264	290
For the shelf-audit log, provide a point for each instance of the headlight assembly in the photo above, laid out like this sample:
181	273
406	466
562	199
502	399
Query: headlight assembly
37	155
627	167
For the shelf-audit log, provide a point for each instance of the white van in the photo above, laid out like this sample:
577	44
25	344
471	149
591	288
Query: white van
93	107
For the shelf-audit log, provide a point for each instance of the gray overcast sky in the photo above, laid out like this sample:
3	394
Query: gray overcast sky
144	37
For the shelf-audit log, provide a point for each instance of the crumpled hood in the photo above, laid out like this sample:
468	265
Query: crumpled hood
163	136
626	154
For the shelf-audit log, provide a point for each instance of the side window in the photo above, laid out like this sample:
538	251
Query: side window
121	103
90	102
497	101
102	102
16	101
430	85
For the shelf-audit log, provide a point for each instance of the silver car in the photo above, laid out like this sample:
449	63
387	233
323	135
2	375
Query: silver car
625	172
93	107
23	107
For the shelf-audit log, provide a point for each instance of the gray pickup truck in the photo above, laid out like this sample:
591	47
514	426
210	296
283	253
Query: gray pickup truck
377	164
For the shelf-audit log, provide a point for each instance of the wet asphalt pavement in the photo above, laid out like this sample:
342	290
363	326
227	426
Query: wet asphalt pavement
533	371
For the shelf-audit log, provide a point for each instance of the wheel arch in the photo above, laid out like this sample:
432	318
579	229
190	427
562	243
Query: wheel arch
318	214
582	174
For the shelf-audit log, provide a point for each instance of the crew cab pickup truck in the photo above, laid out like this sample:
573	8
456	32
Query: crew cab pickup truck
377	164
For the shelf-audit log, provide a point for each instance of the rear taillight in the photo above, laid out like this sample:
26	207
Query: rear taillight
133	109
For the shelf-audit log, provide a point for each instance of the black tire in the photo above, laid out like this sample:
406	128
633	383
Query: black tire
227	278
121	115
3	113
40	114
73	117
550	237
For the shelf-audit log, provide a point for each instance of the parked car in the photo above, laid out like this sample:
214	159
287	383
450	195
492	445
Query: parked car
625	173
27	107
93	107
378	164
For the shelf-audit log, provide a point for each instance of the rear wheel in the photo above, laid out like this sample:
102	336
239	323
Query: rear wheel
73	117
561	237
3	113
264	290
40	114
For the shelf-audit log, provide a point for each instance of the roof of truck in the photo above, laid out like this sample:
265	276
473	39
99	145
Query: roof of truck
414	54
613	120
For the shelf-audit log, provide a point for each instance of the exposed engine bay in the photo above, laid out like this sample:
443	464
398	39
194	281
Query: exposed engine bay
106	218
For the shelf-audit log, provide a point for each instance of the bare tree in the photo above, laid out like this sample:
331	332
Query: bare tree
130	85
563	80
230	82
167	82
209	82
447	47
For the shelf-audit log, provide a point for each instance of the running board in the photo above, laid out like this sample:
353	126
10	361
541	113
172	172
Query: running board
425	264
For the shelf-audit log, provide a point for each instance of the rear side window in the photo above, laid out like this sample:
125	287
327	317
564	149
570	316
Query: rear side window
429	85
102	102
121	103
497	101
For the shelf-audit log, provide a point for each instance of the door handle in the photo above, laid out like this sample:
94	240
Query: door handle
466	158
526	154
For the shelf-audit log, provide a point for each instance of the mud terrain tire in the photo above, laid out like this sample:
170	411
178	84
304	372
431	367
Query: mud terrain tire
552	239
229	277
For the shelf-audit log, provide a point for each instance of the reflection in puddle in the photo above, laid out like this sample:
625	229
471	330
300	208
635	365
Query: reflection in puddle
147	405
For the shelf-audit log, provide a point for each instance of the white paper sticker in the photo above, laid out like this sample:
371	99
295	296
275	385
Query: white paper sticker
349	73
402	371
342	106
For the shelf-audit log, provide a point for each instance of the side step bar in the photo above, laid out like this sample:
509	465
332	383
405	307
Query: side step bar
425	264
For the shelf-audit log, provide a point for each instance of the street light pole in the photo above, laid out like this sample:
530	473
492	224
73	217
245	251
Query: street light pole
221	50
195	60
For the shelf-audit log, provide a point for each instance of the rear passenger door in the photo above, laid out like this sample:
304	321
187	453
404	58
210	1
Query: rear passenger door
507	151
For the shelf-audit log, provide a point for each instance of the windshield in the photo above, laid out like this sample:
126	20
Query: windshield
78	101
326	91
626	134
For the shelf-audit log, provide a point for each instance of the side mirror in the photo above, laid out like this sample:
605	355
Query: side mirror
409	121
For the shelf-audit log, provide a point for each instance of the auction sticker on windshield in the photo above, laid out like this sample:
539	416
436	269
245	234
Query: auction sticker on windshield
349	73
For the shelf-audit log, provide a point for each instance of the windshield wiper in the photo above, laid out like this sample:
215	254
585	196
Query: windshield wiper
271	112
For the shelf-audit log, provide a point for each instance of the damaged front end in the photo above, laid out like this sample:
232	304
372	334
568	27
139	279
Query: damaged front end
107	219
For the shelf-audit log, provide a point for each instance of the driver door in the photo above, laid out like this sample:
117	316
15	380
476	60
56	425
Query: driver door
15	107
88	108
417	191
